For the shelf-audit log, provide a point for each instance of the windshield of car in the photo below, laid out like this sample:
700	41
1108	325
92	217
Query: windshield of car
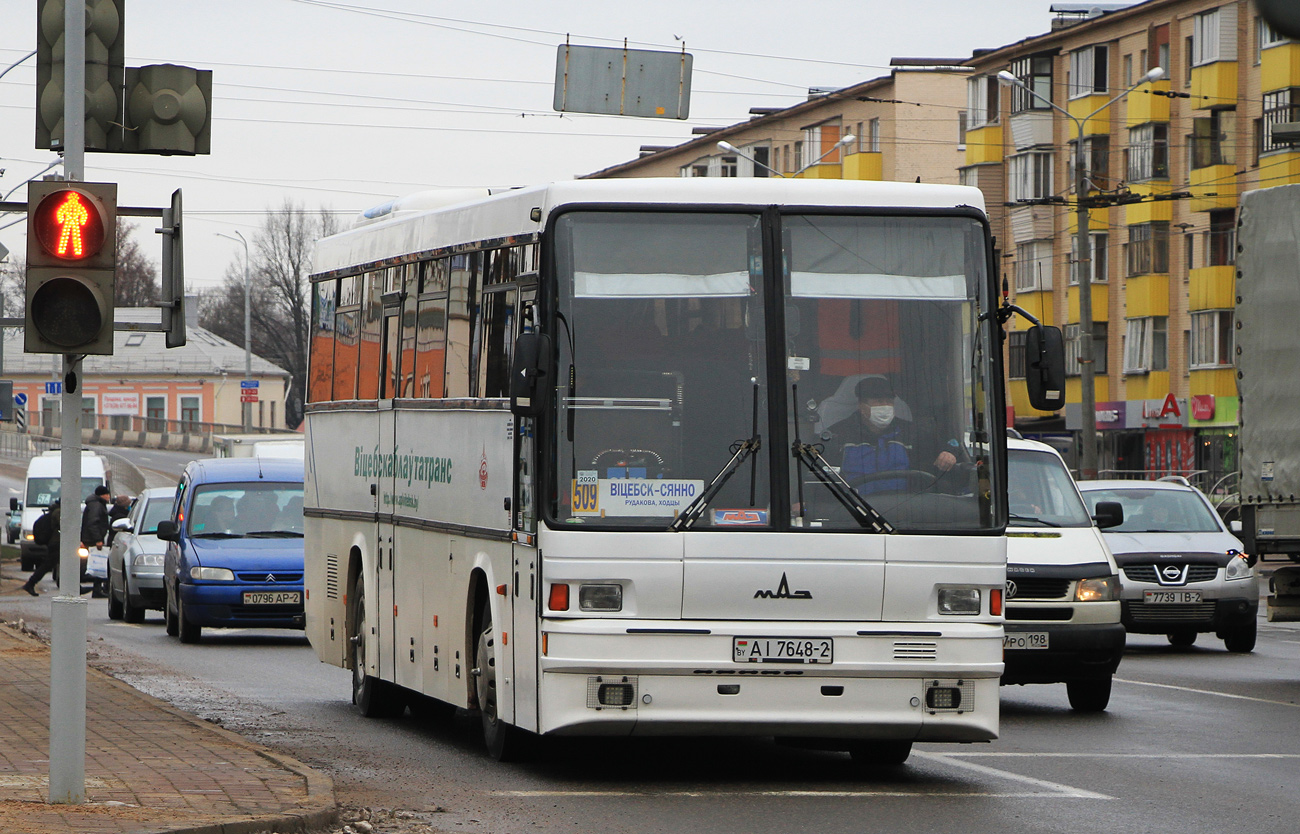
155	510
243	509
1157	510
1041	492
41	491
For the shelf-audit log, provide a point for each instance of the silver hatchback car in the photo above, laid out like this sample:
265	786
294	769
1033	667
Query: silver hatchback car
1183	571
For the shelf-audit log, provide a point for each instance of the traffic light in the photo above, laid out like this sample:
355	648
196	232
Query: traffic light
168	110
71	257
105	71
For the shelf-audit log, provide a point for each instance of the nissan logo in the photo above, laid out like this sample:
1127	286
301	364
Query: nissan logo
1011	589
1172	572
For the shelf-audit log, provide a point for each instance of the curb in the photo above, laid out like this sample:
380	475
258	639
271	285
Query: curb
319	809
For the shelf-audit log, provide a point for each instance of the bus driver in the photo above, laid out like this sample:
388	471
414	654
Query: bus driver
875	442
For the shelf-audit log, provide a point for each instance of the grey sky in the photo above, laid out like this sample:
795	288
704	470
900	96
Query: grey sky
346	104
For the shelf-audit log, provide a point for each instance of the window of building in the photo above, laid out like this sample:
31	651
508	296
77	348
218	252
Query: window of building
1158	43
1089	71
1189	245
1148	248
981	100
1148	152
1146	345
155	410
1029	176
1279	107
1128	71
1189	51
728	168
190	414
1035	72
1100	332
1098	270
762	164
1220	240
1211	139
1266	36
822	142
1211	338
873	130
1034	266
961	130
1097	161
797	163
1214	36
1016	340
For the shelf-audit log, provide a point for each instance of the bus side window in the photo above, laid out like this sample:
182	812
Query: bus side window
460	323
322	341
372	327
347	338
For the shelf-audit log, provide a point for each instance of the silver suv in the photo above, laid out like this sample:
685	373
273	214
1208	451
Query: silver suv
1183	571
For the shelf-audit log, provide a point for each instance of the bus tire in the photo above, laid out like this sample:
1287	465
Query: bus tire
503	741
880	753
373	697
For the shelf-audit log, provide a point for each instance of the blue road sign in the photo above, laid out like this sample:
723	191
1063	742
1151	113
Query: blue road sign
54	387
248	383
20	398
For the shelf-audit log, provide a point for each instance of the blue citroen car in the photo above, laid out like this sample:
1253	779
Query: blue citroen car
234	547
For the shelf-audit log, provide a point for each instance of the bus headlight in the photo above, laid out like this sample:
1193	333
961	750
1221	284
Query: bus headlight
1101	589
600	597
963	602
212	574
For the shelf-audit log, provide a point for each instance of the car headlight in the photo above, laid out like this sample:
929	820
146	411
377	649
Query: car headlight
148	560
959	601
29	537
212	574
1100	589
1238	567
83	552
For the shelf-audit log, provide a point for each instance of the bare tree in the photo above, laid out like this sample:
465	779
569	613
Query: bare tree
13	279
136	278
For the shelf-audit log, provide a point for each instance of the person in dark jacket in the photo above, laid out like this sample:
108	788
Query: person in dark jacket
45	531
94	528
875	443
121	509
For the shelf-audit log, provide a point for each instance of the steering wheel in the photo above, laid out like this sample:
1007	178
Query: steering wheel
921	478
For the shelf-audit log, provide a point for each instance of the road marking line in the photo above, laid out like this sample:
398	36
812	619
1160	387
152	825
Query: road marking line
1105	755
787	794
1054	788
1209	692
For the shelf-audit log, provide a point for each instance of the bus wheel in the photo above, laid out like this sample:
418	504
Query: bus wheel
880	753
375	698
502	739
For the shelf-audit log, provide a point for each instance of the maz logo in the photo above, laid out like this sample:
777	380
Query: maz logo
783	592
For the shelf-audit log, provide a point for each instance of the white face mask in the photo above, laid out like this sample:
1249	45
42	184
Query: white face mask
881	416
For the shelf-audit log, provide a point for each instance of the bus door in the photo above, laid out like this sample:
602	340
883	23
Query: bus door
525	580
385	550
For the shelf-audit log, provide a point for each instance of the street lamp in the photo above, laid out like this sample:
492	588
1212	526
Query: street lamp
1087	375
846	139
244	407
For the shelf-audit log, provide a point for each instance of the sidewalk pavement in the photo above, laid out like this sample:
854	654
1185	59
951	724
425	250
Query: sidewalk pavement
149	767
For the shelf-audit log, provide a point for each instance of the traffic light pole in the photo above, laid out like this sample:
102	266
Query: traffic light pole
68	612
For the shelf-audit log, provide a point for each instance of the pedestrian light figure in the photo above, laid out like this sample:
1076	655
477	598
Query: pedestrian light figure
72	216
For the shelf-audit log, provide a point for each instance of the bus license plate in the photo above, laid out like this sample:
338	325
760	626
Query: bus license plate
1025	640
272	597
1170	597
782	649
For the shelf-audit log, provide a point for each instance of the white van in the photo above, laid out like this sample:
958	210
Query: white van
1063	588
258	445
44	479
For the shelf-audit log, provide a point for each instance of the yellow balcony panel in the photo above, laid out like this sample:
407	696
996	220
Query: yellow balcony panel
1214	85
1074	389
1151	386
1220	382
1038	304
1147	295
863	166
1279	67
1280	168
1100	303
1210	288
1098	219
1018	394
1081	108
1213	187
1142	106
823	171
1149	211
984	144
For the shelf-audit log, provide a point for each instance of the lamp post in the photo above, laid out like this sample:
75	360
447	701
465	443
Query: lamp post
846	139
246	409
1083	265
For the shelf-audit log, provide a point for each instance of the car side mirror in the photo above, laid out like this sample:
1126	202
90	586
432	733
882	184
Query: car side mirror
121	525
15	504
1045	367
168	531
1235	526
1108	514
532	374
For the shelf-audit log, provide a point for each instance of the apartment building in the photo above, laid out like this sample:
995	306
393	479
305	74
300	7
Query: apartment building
905	126
1166	164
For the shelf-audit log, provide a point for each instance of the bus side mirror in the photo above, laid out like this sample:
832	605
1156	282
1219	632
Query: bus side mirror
168	531
531	375
1045	367
1108	514
15	504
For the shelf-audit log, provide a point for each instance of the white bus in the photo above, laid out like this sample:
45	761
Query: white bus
589	458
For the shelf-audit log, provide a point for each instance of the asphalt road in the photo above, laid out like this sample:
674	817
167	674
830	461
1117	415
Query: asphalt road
1195	740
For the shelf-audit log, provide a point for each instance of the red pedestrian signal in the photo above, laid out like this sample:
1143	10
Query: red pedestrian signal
71	258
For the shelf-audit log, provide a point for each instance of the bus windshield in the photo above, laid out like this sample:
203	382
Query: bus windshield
669	380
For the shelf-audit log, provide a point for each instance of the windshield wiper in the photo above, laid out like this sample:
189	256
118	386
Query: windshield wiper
1042	521
740	450
217	535
810	455
275	534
